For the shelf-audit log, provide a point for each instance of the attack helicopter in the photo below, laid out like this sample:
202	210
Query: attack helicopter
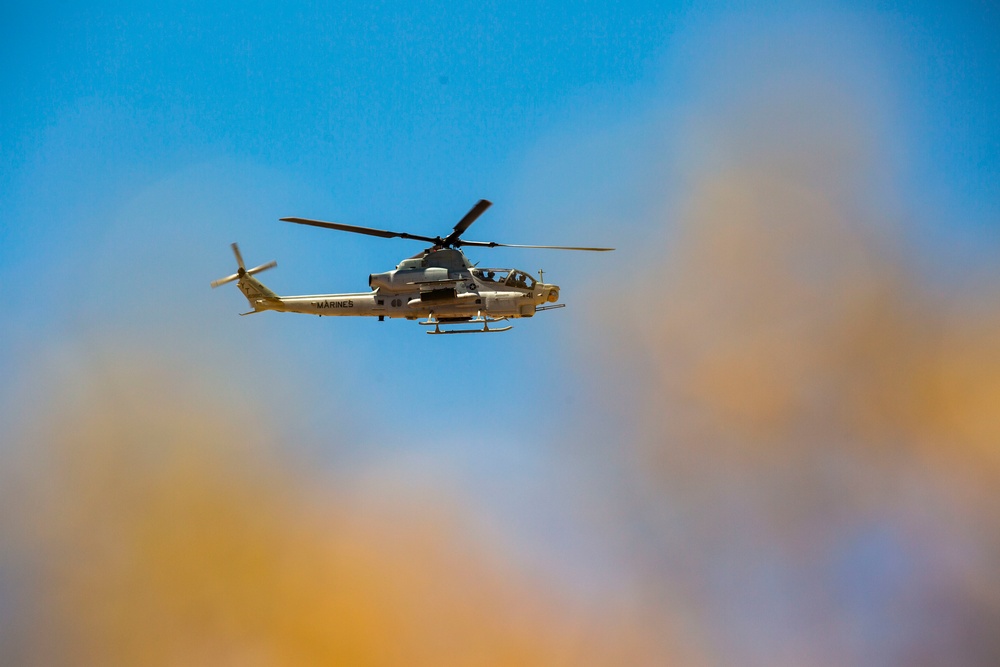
438	286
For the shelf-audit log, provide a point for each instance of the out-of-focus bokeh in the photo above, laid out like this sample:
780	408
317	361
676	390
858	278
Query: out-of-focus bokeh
819	421
154	524
764	432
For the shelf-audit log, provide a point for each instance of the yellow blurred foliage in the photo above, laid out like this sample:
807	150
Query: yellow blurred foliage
164	530
786	318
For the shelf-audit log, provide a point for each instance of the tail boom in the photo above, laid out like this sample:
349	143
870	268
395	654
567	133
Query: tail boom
342	305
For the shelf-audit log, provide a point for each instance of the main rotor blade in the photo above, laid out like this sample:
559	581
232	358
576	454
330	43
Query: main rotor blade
494	244
467	221
381	233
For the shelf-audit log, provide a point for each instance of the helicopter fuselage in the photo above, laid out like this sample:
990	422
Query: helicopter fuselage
439	283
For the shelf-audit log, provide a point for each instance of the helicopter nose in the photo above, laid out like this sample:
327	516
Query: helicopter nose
553	295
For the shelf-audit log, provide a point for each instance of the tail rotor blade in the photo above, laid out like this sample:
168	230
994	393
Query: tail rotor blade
223	281
242	270
239	257
262	267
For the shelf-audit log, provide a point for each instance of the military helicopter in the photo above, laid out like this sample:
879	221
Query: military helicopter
438	284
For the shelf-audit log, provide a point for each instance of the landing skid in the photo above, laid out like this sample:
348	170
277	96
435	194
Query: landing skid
485	321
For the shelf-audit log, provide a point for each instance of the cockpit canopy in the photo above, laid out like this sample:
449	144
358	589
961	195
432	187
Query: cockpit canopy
508	277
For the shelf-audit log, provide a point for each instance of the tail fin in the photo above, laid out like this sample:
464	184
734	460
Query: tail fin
256	293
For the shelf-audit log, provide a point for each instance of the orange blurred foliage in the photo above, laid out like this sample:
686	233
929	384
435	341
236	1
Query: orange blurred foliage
163	529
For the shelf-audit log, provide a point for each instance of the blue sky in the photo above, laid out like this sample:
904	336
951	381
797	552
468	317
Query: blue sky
403	112
137	140
394	115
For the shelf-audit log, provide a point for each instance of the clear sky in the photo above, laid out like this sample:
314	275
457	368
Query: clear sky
137	140
226	117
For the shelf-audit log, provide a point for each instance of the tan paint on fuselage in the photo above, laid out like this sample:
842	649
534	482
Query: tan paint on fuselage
467	303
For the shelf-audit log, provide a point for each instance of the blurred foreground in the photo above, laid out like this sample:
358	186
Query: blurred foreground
809	476
818	418
151	524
